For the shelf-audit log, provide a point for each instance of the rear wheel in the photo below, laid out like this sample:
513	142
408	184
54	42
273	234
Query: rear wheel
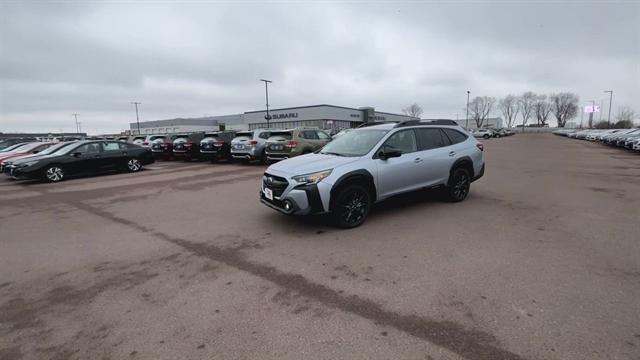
53	173
134	165
459	185
351	206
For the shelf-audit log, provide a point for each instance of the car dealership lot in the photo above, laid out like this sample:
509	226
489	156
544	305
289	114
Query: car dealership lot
182	261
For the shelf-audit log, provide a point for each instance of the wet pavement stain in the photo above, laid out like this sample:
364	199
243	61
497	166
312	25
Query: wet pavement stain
450	335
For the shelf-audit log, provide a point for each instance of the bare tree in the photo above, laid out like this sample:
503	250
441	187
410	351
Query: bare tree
625	113
509	108
413	110
526	105
480	108
564	107
542	109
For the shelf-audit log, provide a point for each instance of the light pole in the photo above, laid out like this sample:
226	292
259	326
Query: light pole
610	99
137	118
77	123
266	92
468	92
593	110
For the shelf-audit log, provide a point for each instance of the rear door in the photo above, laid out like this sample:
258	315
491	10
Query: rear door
436	156
112	156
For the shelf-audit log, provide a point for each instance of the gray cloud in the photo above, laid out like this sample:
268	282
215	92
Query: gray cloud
205	58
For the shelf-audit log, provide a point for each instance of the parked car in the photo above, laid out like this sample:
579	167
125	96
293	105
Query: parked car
138	139
370	164
483	133
83	157
285	144
216	146
630	141
25	149
636	144
187	145
12	147
621	139
51	149
6	143
162	146
250	145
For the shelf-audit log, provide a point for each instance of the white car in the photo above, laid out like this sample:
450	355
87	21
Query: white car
483	133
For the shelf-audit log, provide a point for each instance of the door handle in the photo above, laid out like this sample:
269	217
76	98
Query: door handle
417	160
452	153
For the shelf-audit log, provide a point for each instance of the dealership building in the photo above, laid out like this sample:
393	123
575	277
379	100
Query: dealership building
319	116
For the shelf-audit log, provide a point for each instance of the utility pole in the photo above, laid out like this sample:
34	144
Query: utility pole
610	99
593	110
266	92
468	92
77	123
137	118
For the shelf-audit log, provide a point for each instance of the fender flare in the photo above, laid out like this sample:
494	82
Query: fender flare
352	175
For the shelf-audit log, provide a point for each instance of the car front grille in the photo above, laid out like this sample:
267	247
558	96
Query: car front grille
277	184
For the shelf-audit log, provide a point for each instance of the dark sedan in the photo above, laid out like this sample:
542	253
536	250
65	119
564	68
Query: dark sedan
84	157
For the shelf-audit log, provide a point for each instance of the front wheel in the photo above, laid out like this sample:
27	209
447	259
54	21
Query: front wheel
134	165
459	185
53	173
486	136
352	206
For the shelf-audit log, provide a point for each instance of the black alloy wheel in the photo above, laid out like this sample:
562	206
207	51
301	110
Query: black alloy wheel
53	173
459	185
352	206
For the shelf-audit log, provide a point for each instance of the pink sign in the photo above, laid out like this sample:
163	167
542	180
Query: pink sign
591	109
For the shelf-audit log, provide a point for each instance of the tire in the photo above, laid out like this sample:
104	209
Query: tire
53	173
351	206
134	165
486	136
459	185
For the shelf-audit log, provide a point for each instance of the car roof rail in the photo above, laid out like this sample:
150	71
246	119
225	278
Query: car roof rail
375	123
427	122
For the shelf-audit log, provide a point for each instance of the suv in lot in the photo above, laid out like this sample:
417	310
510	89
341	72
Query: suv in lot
216	146
370	164
284	144
187	146
483	133
162	146
250	145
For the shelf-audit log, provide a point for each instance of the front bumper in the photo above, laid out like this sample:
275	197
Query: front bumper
295	199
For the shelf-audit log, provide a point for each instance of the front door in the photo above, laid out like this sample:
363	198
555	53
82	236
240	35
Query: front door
86	159
399	174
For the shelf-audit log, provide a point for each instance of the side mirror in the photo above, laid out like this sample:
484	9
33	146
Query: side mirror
389	152
36	151
77	154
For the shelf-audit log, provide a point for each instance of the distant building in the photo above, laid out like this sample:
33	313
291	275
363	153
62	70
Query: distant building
321	116
496	123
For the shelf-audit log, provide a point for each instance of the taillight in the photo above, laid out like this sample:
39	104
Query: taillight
291	143
480	146
188	143
253	142
218	143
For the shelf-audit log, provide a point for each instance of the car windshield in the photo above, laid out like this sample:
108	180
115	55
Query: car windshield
13	147
354	143
54	148
287	135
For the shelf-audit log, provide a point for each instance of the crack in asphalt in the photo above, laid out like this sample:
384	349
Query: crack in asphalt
471	344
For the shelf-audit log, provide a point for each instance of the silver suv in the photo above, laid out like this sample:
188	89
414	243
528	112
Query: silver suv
249	145
370	164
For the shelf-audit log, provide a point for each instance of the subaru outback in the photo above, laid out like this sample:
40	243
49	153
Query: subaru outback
289	143
371	164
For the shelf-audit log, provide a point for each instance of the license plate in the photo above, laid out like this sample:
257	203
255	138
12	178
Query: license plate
276	147
268	193
238	147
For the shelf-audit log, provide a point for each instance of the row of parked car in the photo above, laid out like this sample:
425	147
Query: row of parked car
55	161
626	138
491	133
263	145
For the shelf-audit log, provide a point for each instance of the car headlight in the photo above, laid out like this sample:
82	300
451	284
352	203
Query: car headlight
312	178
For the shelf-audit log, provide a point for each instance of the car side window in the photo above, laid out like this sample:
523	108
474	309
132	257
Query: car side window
432	138
123	146
310	134
87	149
403	140
455	136
110	146
322	135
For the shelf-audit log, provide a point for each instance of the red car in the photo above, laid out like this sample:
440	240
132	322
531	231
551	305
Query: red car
26	149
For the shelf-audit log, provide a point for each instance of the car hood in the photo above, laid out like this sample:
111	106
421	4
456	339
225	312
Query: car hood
309	163
11	155
23	159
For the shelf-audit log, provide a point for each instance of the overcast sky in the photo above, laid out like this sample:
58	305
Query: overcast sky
196	58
